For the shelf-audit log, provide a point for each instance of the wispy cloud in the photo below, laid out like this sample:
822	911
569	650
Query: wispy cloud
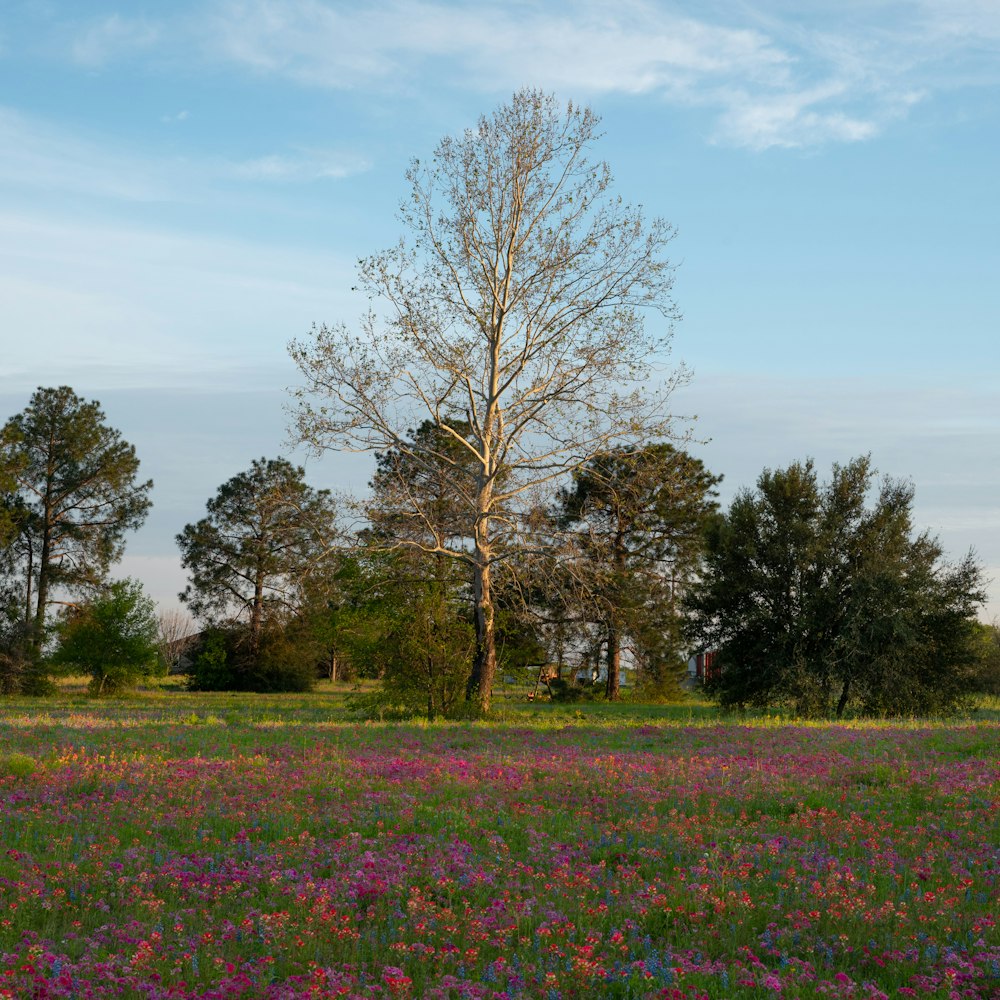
303	165
770	76
637	49
803	118
45	158
112	38
976	19
40	156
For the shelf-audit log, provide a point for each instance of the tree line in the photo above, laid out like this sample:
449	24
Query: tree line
531	504
814	595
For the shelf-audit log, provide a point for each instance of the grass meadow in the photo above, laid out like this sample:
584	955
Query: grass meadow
173	845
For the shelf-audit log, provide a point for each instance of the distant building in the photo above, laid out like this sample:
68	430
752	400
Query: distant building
704	666
180	653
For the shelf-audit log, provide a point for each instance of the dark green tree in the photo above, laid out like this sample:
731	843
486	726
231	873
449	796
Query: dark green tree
334	603
424	651
286	659
418	590
113	637
10	502
430	655
421	494
636	518
249	560
21	670
384	615
817	598
75	494
988	670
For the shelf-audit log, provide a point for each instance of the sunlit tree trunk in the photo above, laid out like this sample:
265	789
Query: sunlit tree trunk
42	594
484	667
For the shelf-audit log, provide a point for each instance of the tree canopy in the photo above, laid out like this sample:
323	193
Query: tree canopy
76	493
266	533
423	504
113	637
636	518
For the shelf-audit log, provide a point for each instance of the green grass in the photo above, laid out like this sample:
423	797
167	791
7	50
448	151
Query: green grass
330	701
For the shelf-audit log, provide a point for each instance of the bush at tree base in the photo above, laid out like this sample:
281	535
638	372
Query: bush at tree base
225	663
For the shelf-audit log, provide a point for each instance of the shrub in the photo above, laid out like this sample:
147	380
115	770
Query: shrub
17	765
285	662
21	668
113	638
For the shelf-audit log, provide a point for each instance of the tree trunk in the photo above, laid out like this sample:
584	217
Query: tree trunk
42	595
256	615
484	668
480	687
614	655
842	704
612	689
31	573
430	688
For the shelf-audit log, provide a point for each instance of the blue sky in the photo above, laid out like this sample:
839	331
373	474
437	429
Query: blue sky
186	186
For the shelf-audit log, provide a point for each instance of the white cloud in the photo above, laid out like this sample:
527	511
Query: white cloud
304	166
640	48
113	37
790	120
771	73
43	158
976	19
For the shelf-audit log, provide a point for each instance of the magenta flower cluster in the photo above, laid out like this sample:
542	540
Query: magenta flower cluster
251	860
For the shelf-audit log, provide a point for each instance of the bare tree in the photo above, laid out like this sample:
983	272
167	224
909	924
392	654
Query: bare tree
176	635
511	317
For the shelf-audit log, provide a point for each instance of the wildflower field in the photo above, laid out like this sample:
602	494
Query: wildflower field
230	847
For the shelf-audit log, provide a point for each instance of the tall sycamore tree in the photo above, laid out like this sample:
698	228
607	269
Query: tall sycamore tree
511	316
76	492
